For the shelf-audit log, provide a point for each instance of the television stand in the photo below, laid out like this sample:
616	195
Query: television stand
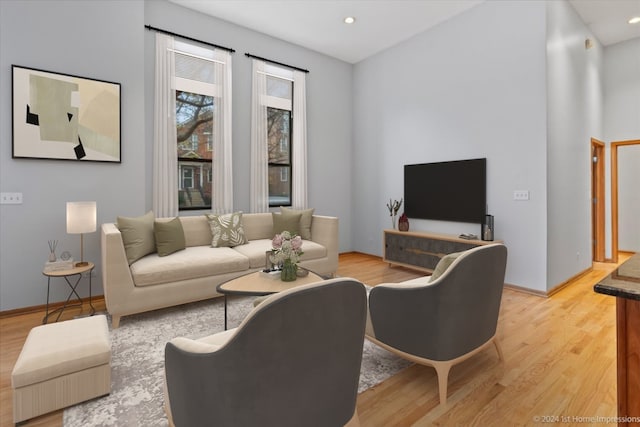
422	251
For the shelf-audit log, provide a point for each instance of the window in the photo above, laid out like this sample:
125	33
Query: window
197	98
279	139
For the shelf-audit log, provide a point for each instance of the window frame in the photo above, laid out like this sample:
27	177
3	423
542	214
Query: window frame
283	104
199	88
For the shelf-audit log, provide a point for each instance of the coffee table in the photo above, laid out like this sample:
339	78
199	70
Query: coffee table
257	284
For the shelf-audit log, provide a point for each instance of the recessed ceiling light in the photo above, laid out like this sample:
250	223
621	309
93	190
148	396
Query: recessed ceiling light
349	20
634	20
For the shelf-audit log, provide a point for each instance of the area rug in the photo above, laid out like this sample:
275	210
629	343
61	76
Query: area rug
137	362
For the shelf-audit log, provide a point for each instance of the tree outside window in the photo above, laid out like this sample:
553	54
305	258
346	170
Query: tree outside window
194	122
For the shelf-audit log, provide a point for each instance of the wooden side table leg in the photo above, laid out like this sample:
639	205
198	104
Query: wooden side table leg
46	314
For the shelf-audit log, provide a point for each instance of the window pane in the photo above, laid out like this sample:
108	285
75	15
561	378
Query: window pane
279	186
279	136
194	69
194	121
279	87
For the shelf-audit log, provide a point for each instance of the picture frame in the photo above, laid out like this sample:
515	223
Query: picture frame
64	117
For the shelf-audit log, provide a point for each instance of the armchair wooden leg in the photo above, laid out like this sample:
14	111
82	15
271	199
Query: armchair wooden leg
498	348
442	369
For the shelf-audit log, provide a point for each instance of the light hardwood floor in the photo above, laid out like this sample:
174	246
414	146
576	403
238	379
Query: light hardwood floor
559	362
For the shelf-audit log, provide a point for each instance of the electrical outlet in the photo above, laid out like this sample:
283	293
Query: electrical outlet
11	198
521	195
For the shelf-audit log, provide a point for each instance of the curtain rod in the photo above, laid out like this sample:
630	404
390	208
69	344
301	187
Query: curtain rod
276	62
149	27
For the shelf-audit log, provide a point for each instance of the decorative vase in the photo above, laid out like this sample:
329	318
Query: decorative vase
289	271
403	223
52	256
393	222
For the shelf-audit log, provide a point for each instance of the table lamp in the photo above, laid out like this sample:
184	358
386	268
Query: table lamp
81	218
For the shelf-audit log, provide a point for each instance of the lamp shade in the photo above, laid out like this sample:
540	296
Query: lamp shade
81	217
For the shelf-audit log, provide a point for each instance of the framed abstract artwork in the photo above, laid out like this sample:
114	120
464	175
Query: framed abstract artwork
65	117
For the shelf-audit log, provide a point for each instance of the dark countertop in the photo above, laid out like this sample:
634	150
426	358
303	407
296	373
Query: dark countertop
624	281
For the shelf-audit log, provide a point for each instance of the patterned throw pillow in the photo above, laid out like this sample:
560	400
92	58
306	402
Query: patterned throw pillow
226	230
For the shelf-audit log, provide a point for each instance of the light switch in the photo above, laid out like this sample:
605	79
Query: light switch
521	195
11	198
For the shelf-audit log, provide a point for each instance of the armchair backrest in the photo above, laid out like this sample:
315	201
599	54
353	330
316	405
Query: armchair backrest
294	361
448	317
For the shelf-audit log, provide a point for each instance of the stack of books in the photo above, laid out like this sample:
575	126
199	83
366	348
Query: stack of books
271	274
58	265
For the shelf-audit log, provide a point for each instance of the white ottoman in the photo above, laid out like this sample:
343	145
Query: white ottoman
61	364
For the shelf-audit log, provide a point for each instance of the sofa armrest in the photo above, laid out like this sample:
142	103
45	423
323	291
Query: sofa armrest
324	230
117	281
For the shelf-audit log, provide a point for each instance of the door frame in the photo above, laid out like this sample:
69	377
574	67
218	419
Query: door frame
597	199
614	194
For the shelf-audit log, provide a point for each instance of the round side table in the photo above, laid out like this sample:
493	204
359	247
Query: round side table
66	275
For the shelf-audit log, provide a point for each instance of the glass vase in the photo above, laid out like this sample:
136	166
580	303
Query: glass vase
289	271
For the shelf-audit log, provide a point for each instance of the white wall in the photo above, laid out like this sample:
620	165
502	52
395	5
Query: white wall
97	39
107	40
622	91
574	115
622	123
472	87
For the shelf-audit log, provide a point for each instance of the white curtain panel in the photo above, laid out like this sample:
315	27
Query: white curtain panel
299	161
259	188
165	156
222	197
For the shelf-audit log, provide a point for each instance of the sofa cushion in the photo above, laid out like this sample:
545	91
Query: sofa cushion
169	236
286	221
226	230
258	225
443	265
197	231
191	263
312	250
305	220
255	251
137	235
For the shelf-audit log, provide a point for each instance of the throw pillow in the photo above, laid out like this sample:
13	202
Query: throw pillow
137	235
227	230
305	220
169	236
286	221
444	264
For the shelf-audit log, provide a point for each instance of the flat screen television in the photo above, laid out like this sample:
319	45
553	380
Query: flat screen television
447	191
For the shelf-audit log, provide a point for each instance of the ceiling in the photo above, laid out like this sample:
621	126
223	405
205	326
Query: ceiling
318	24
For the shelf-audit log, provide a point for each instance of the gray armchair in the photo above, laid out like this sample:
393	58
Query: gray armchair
444	321
295	360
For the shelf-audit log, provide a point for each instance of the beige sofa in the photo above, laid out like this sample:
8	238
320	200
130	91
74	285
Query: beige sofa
192	274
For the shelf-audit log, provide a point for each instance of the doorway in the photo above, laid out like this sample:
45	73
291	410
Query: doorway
614	194
597	200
